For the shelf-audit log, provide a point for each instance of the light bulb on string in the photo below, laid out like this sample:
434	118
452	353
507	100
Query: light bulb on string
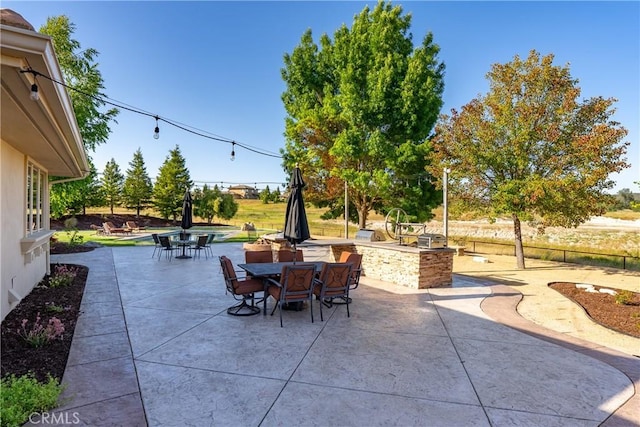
233	150
34	92
34	87
156	131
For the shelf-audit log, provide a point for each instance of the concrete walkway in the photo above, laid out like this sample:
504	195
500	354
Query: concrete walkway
155	347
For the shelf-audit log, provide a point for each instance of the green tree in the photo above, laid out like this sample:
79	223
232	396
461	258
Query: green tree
204	202
531	149
276	195
623	199
172	182
112	184
226	206
138	190
633	205
81	72
265	195
360	109
74	197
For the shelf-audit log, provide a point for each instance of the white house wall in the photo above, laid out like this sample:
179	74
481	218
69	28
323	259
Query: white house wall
19	271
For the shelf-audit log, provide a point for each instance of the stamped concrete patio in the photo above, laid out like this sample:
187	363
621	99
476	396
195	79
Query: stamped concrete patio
155	347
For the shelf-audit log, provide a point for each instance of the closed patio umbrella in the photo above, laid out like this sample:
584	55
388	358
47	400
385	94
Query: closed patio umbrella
185	222
296	227
187	211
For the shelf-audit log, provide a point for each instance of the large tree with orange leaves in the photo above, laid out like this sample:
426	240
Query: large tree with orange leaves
531	149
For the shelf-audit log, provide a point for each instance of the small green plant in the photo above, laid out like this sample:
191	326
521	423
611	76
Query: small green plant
624	298
62	276
39	334
54	308
23	396
71	228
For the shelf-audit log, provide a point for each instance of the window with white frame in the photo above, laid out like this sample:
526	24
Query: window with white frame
36	185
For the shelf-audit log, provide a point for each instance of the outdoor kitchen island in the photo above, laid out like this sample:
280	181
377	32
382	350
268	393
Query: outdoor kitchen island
409	266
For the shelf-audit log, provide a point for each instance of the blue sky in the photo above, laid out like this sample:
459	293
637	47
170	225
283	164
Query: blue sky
215	66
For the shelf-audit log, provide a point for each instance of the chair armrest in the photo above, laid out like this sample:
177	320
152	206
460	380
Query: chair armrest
273	282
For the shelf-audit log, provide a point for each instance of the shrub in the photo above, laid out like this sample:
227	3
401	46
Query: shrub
39	335
22	396
54	308
624	297
62	276
71	228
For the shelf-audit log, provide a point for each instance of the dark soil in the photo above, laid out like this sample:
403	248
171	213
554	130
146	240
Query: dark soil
18	357
604	309
86	221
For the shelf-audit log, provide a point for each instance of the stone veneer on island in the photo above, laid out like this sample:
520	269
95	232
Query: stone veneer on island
403	265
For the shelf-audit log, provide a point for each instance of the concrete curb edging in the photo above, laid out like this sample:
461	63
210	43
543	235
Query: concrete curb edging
502	305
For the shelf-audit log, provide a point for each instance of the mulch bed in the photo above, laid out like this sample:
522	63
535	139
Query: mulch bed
84	222
603	309
18	357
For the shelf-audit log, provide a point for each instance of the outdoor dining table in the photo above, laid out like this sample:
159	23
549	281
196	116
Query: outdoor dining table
184	244
266	270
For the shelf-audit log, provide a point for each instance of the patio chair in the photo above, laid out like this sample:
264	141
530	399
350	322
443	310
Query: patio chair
287	256
109	228
356	262
167	247
133	226
99	230
334	282
241	289
295	285
201	245
356	270
207	246
258	256
157	245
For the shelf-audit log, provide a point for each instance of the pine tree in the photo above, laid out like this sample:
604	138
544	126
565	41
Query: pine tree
112	183
138	190
75	196
173	181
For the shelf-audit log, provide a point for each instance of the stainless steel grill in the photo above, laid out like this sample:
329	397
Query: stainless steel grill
431	241
369	235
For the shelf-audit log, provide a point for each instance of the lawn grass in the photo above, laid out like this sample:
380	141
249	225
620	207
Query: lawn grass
269	218
625	214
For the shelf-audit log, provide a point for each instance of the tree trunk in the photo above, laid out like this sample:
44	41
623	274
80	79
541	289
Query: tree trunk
517	232
111	208
138	211
362	218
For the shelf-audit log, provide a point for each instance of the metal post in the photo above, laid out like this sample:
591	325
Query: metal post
346	210
445	219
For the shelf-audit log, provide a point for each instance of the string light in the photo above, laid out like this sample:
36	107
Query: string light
156	131
34	92
34	87
156	134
